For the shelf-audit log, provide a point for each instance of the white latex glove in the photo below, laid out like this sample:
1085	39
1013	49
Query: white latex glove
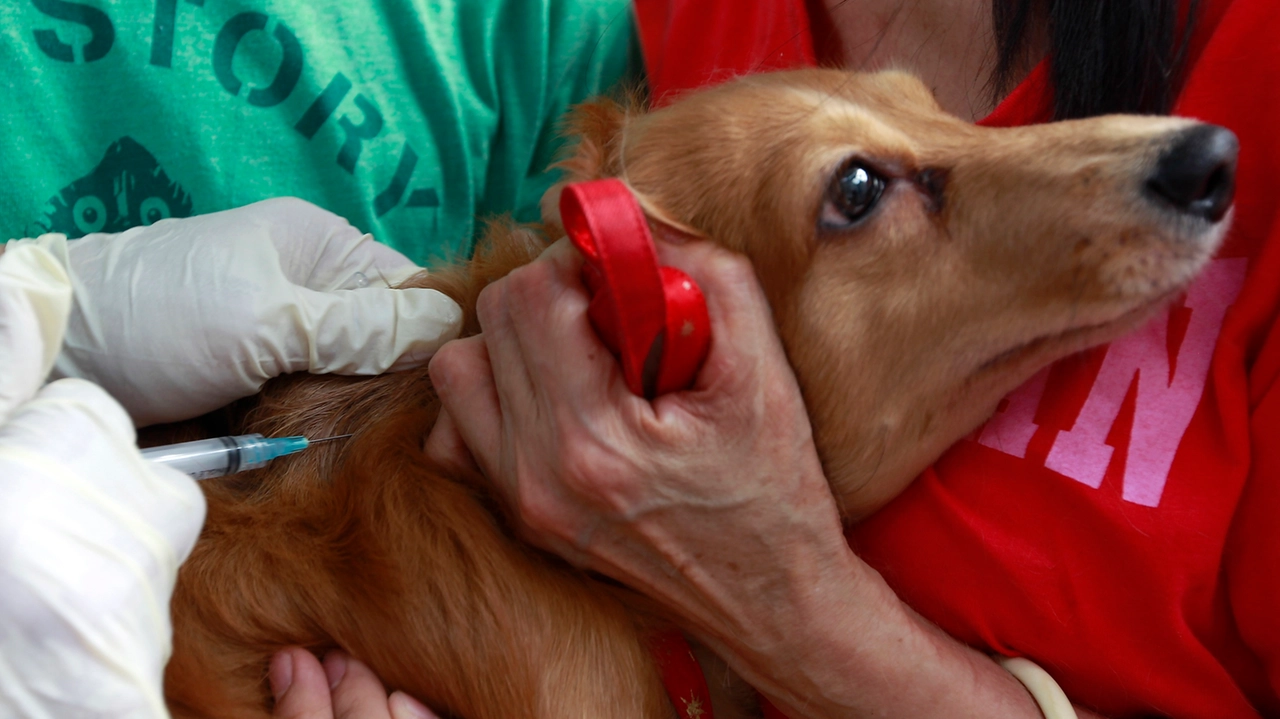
184	316
91	535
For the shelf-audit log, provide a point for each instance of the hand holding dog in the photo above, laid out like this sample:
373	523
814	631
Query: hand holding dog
712	501
184	316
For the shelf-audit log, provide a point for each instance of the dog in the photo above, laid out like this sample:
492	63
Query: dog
918	268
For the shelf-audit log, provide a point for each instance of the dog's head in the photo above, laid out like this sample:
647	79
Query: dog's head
919	267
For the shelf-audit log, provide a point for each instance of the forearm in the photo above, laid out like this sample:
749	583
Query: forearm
851	648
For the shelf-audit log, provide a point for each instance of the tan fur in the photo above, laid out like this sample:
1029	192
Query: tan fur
993	253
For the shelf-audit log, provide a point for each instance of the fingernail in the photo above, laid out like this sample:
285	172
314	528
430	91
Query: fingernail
335	667
404	706
280	674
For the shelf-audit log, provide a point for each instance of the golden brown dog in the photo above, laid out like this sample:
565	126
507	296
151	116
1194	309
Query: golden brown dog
918	269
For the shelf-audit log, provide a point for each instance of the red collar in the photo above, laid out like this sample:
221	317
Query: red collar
684	681
681	675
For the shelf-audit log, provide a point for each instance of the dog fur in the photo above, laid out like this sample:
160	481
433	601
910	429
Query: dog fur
989	254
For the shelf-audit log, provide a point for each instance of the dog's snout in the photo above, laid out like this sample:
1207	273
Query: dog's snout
1196	172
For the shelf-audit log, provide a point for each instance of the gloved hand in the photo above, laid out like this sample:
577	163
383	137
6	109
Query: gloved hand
91	535
184	316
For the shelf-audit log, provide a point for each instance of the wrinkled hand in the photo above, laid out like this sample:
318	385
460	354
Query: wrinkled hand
186	315
342	688
91	535
712	501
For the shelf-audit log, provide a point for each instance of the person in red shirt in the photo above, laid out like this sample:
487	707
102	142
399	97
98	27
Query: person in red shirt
1114	522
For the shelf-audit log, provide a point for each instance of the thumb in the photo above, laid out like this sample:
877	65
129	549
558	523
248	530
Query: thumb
35	301
374	329
299	685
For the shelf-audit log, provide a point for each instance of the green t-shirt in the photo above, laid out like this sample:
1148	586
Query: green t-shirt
408	117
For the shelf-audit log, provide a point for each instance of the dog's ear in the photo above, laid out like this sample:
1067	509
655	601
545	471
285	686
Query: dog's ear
594	130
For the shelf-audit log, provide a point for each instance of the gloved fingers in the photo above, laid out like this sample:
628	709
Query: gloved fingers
371	330
91	536
322	251
391	267
184	316
35	300
351	261
93	482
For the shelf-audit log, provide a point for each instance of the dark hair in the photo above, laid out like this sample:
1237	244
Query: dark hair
1105	56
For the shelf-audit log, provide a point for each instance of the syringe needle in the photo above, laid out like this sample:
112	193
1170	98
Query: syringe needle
328	439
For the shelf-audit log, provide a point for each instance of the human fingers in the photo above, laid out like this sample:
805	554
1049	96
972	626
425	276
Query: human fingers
97	484
35	300
746	361
446	446
357	691
184	316
562	392
91	537
463	379
365	331
537	327
740	312
472	414
404	706
299	685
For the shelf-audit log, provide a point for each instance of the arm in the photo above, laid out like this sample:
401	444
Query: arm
712	501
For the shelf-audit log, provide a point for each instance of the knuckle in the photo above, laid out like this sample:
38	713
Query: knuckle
489	302
731	266
445	364
539	511
527	280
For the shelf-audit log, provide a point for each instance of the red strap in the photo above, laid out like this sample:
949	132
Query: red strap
681	675
688	332
770	711
605	223
655	319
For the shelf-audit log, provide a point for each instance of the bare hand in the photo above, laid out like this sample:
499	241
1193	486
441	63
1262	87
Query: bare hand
342	688
712	501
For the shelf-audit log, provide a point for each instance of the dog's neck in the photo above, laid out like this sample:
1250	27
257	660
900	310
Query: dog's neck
949	44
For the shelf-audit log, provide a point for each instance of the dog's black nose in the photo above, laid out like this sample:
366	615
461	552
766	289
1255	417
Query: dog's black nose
1196	173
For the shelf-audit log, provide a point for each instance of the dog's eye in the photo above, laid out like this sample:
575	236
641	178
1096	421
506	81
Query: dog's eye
854	192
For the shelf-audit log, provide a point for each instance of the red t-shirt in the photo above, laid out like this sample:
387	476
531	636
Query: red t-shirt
1118	520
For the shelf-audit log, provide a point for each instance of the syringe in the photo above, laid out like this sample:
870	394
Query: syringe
220	456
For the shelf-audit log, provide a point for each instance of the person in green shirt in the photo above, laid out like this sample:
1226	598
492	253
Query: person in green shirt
409	119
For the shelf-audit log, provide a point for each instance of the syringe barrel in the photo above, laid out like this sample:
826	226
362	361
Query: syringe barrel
208	458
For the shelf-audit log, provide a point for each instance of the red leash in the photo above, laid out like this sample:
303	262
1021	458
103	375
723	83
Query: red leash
653	318
681	675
